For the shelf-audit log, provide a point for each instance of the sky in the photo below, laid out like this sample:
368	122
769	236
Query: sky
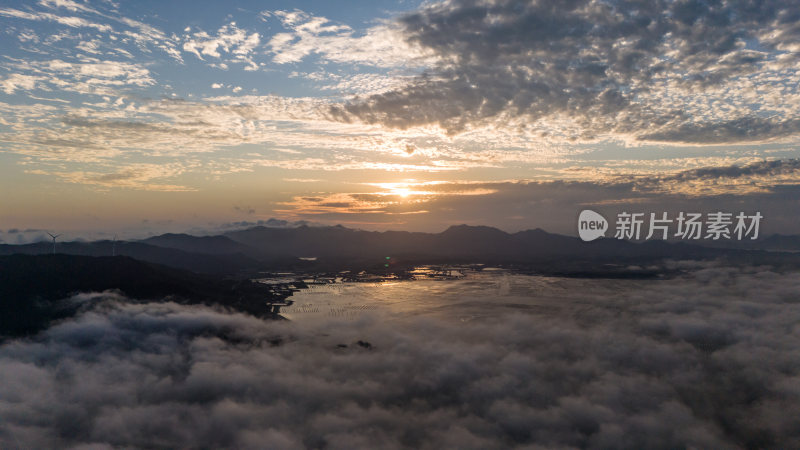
144	117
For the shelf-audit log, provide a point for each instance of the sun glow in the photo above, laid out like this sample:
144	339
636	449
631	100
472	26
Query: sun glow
402	192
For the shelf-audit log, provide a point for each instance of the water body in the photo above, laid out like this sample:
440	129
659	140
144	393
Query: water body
477	295
488	360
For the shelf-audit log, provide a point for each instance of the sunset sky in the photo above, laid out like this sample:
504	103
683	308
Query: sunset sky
151	116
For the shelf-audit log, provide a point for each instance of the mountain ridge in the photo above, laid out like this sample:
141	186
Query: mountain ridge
338	248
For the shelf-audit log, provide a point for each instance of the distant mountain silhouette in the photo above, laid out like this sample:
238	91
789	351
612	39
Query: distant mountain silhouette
773	243
338	248
460	242
206	258
32	287
32	281
780	242
214	245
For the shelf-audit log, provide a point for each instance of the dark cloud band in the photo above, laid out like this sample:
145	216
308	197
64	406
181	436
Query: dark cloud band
610	67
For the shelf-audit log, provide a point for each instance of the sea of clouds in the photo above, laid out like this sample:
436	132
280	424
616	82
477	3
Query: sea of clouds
708	360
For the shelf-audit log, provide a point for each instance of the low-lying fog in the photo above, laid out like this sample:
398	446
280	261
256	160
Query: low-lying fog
706	360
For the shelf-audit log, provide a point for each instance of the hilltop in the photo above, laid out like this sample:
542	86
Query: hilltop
334	248
34	288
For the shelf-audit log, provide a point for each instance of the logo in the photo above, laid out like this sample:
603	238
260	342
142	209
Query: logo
694	225
591	225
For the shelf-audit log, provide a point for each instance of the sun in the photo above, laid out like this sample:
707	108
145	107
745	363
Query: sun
402	192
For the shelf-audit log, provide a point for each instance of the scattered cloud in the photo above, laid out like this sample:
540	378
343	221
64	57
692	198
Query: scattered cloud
116	31
244	209
235	43
133	176
760	176
302	180
381	46
765	186
392	199
70	21
18	81
678	72
87	76
500	90
270	223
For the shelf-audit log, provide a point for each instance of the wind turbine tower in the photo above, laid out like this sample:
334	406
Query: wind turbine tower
54	236
114	246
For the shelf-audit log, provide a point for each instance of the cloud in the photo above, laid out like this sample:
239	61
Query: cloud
514	205
770	170
116	125
743	129
523	90
679	72
26	236
296	128
70	21
128	31
765	176
90	75
236	43
17	81
271	223
139	176
359	83
303	180
704	360
378	46
244	209
391	199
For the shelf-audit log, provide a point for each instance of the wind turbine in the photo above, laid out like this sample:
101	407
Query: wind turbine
54	236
